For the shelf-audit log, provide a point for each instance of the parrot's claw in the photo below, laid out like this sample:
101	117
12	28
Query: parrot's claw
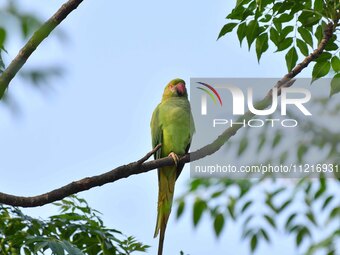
174	157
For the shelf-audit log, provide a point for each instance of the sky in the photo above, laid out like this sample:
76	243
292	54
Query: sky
117	57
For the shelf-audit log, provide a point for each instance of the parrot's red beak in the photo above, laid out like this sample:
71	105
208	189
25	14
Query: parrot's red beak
180	88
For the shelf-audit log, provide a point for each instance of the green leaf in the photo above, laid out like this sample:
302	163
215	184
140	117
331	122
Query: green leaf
40	245
199	207
335	64
276	192
302	47
320	69
331	252
323	57
277	139
195	184
231	207
318	5
319	33
335	85
271	205
309	19
264	234
241	32
322	188
306	36
290	220
253	243
2	37
311	217
274	36
277	24
299	237
239	13
270	220
302	149
284	6
283	157
266	18
291	58
252	32
71	249
293	228
248	219
247	232
308	201
29	24
302	233
27	251
241	2
285	32
246	206
285	44
262	141
180	208
243	146
284	205
285	17
327	201
261	45
331	46
2	64
218	224
56	248
217	193
335	213
227	28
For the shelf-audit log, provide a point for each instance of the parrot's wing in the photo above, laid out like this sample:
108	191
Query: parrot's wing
156	132
192	131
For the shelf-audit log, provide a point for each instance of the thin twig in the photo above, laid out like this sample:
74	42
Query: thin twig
149	154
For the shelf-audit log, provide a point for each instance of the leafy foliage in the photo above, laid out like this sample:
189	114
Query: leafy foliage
26	23
77	230
299	207
296	27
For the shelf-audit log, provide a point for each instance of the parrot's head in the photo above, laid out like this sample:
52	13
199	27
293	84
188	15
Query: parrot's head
175	88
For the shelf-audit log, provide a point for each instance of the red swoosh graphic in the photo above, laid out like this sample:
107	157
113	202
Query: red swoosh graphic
213	90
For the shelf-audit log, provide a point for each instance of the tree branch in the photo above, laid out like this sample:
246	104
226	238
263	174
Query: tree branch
32	44
141	167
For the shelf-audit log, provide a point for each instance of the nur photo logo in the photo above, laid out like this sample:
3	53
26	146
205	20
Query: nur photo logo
243	100
212	93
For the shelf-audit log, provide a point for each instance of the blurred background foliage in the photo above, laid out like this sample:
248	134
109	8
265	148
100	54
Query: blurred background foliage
21	24
306	208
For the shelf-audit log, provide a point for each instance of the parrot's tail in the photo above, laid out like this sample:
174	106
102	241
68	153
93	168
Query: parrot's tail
161	240
167	178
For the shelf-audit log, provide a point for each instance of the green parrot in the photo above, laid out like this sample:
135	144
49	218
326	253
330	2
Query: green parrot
172	126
